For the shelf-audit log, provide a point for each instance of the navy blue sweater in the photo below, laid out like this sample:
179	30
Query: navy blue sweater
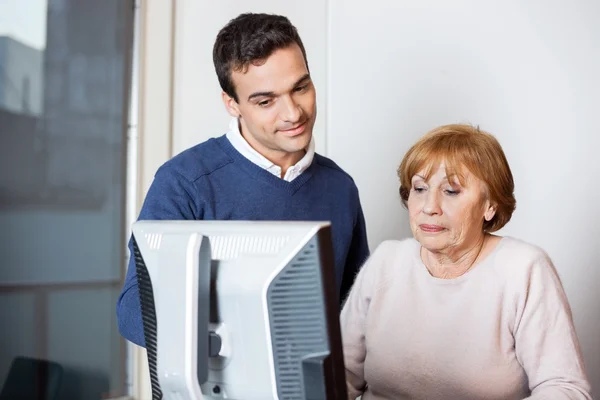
213	181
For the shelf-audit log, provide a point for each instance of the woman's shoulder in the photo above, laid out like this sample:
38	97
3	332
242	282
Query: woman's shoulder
518	257
393	247
519	249
388	262
389	255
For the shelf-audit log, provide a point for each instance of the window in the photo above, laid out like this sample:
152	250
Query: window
64	94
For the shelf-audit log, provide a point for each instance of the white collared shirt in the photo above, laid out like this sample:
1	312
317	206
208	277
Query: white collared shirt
242	146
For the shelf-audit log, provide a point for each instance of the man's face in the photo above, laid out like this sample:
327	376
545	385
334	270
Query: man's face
276	105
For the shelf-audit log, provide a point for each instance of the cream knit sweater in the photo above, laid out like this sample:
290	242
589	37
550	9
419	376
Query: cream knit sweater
501	331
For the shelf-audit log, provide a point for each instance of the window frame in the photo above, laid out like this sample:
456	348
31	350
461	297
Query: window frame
149	138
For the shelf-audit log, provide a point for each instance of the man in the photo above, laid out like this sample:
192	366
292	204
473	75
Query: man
265	167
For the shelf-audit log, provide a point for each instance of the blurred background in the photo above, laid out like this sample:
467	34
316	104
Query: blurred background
65	70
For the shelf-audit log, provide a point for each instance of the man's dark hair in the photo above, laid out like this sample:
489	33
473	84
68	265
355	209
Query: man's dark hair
250	39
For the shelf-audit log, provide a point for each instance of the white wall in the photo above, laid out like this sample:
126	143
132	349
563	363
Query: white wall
198	111
388	71
526	71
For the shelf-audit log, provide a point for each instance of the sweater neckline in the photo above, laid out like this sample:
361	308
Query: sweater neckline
467	275
260	173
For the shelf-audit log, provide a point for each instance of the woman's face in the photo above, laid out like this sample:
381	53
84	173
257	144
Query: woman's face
446	216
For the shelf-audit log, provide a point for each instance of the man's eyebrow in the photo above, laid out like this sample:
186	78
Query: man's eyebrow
260	94
302	80
271	94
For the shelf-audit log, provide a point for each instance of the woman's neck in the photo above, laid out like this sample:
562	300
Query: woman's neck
451	265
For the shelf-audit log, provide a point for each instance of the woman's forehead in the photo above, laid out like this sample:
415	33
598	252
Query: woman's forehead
441	168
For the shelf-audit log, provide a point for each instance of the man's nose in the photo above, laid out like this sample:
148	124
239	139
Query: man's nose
290	111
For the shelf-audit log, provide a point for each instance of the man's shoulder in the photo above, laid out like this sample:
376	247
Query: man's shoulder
198	161
330	166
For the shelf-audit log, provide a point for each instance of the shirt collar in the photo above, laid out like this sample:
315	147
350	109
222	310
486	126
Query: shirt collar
242	146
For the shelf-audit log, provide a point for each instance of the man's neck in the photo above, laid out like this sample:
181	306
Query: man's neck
285	160
278	163
282	159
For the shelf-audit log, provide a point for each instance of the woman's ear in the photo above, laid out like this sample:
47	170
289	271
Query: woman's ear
490	212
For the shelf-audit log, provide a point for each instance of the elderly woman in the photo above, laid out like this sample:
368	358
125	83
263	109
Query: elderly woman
457	312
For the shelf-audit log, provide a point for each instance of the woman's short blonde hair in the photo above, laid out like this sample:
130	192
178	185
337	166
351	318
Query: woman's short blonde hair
458	146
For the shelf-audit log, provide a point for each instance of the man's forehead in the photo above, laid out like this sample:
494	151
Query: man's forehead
278	73
282	79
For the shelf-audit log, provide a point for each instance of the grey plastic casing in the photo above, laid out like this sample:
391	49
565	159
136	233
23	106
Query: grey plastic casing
266	291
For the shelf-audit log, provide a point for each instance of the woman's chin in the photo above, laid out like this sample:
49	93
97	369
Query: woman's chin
430	243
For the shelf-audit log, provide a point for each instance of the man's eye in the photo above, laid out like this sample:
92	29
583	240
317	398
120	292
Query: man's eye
264	103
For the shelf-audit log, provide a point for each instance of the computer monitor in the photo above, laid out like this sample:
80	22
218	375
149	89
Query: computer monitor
240	310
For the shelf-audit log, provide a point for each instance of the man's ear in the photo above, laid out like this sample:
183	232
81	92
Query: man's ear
231	105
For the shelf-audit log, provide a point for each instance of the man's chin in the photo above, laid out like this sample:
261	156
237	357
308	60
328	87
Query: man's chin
296	143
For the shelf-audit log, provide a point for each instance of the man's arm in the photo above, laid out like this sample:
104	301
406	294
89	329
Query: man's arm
358	254
170	197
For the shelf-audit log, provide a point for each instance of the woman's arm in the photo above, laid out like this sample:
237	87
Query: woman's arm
353	321
545	339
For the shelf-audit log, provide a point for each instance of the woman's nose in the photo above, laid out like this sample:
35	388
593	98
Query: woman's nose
431	206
